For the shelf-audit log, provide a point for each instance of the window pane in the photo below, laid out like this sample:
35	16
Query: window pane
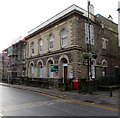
50	73
50	41
64	36
104	43
40	43
40	71
32	47
32	69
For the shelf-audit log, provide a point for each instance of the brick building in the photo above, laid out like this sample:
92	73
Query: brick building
55	49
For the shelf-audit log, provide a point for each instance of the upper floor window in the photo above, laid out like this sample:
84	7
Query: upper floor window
50	41
32	48
64	37
40	45
89	35
104	43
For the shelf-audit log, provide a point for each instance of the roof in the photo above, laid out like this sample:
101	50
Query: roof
59	15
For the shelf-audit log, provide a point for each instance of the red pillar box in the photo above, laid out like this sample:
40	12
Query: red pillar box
76	84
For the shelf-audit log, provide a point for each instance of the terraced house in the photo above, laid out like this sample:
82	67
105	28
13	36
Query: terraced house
55	49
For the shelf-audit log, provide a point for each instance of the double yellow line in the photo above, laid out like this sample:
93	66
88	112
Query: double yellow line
78	102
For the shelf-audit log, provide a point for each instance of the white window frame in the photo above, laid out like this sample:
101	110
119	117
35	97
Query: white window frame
64	37
51	41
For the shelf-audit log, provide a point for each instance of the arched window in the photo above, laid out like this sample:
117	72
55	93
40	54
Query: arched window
40	70
32	69
32	48
104	71
40	45
64	37
50	41
50	63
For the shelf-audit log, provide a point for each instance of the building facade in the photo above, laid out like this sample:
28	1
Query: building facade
55	49
14	62
1	67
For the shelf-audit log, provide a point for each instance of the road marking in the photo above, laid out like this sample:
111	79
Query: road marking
78	102
66	100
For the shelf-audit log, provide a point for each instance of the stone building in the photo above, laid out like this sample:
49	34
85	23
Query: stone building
1	67
55	49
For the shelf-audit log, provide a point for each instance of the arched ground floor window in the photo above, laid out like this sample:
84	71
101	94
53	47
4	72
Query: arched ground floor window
104	68
31	69
50	63
40	69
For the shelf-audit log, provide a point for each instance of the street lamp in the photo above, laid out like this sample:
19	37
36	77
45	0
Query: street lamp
89	45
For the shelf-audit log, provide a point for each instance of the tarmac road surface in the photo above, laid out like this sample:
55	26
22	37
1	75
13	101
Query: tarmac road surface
18	102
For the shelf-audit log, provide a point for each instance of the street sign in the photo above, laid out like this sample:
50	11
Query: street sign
54	68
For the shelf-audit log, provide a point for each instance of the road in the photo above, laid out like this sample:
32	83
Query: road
18	102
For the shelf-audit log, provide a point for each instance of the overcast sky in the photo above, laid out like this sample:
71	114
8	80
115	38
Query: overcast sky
17	17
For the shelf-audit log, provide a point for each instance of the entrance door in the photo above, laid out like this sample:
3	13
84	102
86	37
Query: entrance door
65	69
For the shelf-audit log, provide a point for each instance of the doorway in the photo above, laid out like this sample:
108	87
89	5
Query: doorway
64	69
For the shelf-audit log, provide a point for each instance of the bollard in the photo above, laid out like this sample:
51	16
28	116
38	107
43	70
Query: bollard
110	91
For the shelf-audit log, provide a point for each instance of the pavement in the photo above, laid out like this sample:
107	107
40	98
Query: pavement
98	97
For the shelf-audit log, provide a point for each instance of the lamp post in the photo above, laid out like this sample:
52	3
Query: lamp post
89	45
89	52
